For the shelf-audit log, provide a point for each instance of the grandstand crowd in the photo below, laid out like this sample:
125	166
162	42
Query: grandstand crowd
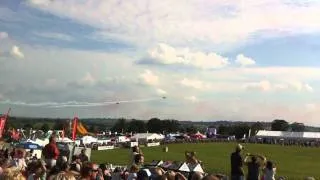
17	164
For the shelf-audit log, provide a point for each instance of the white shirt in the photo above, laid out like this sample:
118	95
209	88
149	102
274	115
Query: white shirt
132	176
269	174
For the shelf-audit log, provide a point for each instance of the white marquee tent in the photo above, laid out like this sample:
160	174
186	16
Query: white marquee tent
147	136
289	135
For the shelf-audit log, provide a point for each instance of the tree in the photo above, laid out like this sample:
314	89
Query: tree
191	129
223	130
137	126
169	126
297	127
256	127
27	126
240	130
120	126
154	125
58	125
279	125
45	128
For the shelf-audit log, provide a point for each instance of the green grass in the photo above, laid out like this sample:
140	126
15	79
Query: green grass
291	161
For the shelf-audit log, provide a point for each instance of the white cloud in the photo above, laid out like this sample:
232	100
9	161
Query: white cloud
192	98
244	61
88	78
299	86
261	86
308	88
161	92
3	35
16	52
311	107
165	54
51	82
268	86
194	83
149	78
196	21
53	35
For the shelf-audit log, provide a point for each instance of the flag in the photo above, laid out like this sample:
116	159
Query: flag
62	134
3	121
74	128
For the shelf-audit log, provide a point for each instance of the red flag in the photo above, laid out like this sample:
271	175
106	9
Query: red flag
74	128
3	121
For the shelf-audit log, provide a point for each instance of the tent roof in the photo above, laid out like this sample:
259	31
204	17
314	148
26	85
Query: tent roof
147	136
285	134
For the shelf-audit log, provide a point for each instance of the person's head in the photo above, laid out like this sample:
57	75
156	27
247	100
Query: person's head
75	167
254	159
309	178
196	176
65	166
95	170
269	165
64	159
138	159
86	170
135	149
134	169
12	173
52	139
102	167
210	177
83	151
54	171
239	148
20	153
169	175
4	163
64	176
142	175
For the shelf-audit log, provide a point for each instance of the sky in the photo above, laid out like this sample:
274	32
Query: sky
211	59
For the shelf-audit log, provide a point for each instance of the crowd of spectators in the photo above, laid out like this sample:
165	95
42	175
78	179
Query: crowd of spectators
17	164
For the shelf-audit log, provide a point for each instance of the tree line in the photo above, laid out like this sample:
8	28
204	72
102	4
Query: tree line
155	125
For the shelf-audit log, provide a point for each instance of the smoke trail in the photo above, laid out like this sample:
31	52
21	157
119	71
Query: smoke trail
75	103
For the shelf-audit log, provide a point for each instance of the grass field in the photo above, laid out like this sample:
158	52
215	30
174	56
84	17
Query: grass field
292	162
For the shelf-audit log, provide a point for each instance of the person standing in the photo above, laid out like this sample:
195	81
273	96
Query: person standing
254	166
83	157
51	152
237	164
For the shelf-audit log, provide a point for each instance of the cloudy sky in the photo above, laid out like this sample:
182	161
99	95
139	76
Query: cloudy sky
213	59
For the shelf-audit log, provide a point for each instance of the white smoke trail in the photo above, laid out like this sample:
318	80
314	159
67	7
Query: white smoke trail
74	103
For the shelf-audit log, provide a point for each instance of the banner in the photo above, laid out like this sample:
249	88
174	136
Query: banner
74	128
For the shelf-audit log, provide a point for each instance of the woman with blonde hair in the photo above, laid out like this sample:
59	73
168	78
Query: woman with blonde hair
64	176
12	174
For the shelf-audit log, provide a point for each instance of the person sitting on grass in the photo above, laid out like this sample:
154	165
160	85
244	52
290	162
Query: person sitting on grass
139	160
191	158
254	165
269	171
